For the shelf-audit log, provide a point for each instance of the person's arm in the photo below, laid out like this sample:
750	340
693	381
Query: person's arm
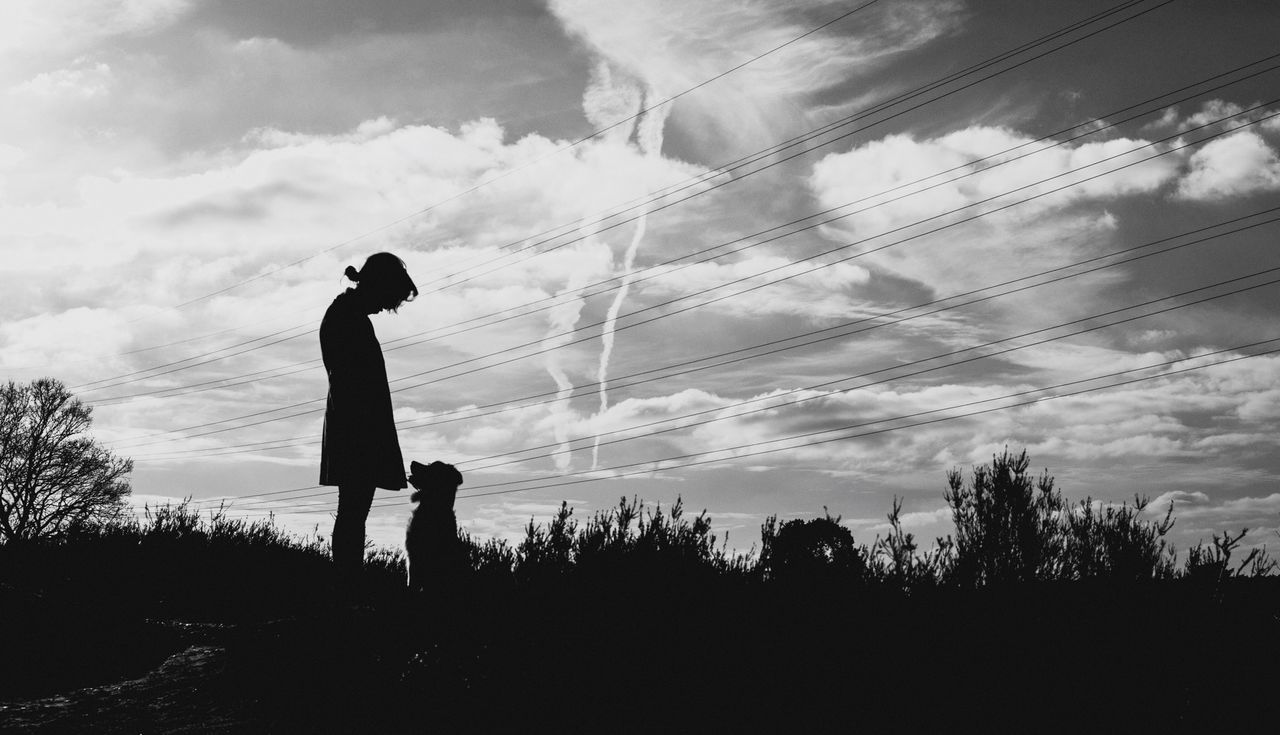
351	357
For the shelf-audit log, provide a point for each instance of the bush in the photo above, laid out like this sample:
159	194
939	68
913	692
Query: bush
1012	527
1006	523
621	541
898	562
1114	544
175	562
1212	563
816	550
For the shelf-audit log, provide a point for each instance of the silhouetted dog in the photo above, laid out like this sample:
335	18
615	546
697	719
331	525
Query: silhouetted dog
432	539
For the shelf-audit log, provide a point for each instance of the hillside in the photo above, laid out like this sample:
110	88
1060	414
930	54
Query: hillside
635	619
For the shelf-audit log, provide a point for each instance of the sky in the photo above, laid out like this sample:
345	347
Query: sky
729	252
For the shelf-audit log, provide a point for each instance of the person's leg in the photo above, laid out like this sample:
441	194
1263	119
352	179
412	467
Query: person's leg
348	528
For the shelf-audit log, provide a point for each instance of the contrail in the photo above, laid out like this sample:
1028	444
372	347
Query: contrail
649	139
563	318
608	97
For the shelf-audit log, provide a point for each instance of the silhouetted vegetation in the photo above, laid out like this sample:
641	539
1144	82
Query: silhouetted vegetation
1011	527
1030	601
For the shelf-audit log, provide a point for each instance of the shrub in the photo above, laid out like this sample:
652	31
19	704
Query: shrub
1115	544
174	561
1212	563
1011	526
545	552
621	541
815	550
898	562
1006	523
490	558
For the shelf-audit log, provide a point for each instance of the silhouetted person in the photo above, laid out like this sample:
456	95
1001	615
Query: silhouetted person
360	450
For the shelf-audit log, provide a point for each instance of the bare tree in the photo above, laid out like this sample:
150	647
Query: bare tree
52	476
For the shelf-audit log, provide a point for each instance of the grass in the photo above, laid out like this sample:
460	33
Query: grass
1076	614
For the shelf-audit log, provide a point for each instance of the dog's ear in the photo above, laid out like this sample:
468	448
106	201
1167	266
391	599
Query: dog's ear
444	473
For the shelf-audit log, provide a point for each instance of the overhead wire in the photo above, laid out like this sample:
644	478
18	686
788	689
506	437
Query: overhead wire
295	368
698	364
828	384
972	164
556	482
884	105
809	258
509	172
648	210
774	404
772	441
656	270
653	466
1171	149
122	379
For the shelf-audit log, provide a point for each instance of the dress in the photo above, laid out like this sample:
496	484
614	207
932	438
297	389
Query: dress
360	445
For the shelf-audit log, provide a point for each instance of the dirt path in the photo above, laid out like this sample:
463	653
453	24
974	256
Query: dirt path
180	696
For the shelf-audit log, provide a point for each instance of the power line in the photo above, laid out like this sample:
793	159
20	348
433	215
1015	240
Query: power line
651	466
213	384
920	361
973	170
753	288
895	367
822	254
164	345
809	136
206	501
884	105
123	379
669	370
882	431
482	184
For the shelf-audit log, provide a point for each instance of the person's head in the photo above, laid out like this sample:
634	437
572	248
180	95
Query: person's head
383	282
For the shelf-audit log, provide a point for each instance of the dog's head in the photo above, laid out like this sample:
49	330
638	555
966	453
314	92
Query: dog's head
437	482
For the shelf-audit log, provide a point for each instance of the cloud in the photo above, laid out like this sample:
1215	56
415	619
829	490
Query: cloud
823	294
1167	121
874	182
290	197
157	150
1199	505
85	80
54	338
1263	405
62	26
1237	165
673	46
937	521
1180	499
1198	514
888	164
10	155
506	520
1110	427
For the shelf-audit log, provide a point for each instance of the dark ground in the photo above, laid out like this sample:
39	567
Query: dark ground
663	657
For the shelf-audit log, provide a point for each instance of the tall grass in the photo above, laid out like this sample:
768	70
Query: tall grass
174	561
1011	526
640	603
